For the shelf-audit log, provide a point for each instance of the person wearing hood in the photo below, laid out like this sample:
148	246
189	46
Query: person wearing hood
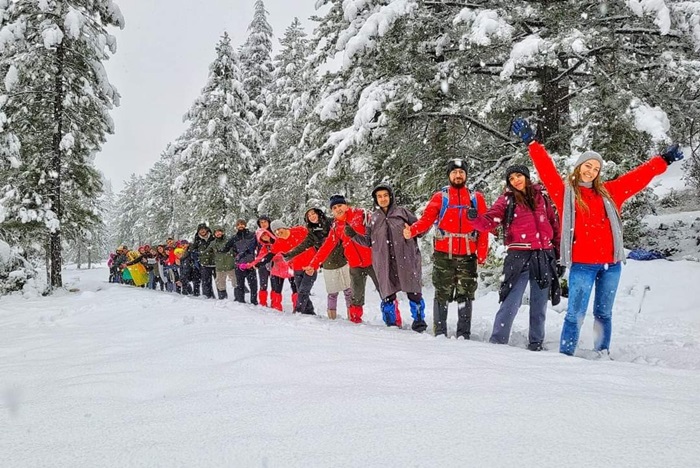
263	272
243	243
531	234
592	245
396	260
336	272
224	262
204	262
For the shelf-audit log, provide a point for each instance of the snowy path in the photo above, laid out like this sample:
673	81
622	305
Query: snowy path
116	376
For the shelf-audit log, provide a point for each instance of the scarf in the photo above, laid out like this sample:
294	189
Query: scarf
567	228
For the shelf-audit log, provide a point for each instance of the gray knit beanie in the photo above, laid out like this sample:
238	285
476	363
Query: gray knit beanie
587	155
278	224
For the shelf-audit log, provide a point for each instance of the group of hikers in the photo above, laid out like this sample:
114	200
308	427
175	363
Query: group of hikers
565	222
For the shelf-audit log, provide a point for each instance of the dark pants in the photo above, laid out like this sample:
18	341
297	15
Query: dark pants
207	274
239	291
304	283
277	283
358	281
263	277
454	279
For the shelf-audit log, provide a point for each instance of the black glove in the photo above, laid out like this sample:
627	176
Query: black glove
472	213
560	270
672	154
523	130
349	231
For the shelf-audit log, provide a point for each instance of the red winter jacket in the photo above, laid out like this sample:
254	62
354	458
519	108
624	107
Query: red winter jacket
528	230
358	256
296	236
454	221
593	238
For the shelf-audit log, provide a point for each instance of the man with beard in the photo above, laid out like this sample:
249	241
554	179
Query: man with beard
395	260
457	248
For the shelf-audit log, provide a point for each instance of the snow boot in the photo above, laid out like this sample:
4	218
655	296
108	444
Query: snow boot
332	314
222	294
535	346
399	322
262	297
389	313
464	319
418	314
294	301
355	313
439	318
276	300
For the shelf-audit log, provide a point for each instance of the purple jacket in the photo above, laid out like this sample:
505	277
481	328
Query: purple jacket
529	230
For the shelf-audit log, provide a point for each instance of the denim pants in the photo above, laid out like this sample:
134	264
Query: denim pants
582	278
503	322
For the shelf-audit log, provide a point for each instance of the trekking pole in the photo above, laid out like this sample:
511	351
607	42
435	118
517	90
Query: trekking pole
641	302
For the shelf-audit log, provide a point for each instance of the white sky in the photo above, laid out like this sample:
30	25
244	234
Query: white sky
162	61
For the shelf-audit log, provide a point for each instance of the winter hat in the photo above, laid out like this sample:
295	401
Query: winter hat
241	221
517	168
278	224
261	232
587	155
337	199
457	163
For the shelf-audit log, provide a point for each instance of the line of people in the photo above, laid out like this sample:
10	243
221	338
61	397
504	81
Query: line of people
571	222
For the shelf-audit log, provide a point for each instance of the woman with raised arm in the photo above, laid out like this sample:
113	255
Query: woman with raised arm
591	227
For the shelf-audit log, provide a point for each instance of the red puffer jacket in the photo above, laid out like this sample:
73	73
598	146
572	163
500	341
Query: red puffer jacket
296	236
528	230
358	256
593	238
455	224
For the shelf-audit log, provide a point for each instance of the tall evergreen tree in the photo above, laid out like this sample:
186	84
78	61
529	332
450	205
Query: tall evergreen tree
214	153
57	104
256	59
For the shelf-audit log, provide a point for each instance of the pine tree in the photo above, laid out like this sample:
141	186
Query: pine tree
256	59
280	187
57	108
214	153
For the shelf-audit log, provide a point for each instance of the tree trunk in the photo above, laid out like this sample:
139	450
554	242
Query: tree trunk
55	253
78	259
554	110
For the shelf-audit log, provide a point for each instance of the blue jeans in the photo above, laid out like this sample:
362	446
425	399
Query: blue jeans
582	278
509	309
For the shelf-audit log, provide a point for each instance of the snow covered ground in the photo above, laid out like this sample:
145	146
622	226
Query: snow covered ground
112	375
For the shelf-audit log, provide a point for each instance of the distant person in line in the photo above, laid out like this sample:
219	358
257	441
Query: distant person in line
458	248
531	234
591	242
395	260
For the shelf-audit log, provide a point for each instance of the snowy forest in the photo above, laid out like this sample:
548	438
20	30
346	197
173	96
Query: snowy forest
379	91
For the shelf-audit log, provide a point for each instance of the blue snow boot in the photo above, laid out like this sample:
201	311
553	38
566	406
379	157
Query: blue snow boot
418	314
389	313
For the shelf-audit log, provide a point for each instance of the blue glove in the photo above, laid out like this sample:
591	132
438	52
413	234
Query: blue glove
523	130
672	154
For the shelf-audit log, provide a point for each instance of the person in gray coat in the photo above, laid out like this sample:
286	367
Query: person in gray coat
396	261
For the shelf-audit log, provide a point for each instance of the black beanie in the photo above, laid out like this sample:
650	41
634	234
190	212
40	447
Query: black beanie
458	163
337	199
520	169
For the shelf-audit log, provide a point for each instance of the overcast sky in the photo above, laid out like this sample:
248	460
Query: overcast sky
161	65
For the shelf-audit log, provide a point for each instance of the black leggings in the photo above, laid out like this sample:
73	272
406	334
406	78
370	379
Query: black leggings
277	283
413	297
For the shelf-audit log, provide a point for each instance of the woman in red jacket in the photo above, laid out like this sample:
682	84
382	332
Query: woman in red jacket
531	235
591	243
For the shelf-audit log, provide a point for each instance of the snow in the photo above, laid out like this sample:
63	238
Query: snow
651	120
484	25
11	78
521	53
67	142
73	23
52	36
656	7
118	376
